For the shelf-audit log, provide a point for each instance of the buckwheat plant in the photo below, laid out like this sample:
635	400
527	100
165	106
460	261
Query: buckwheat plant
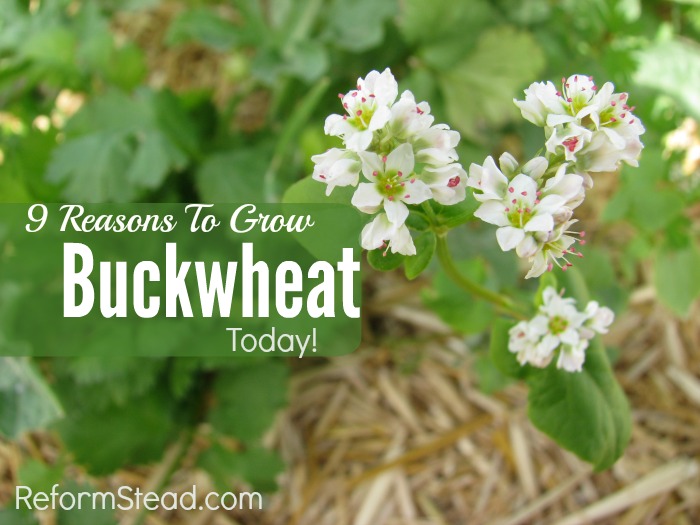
407	176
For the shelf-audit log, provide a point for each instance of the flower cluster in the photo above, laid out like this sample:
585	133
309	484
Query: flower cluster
587	131
594	129
404	159
559	325
532	208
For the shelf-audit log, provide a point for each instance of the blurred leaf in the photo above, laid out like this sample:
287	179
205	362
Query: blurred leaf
203	25
306	60
257	466
233	176
460	310
480	89
120	146
85	515
643	196
11	516
585	412
55	46
39	476
134	433
488	376
504	360
359	25
26	401
126	67
290	135
460	23
425	248
677	278
672	67
598	269
248	398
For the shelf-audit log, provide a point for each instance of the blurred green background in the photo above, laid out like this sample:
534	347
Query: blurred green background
197	101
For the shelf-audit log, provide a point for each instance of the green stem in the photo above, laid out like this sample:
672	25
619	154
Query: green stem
503	303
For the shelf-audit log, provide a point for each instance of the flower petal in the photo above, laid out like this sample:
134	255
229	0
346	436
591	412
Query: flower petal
396	211
493	212
401	159
540	223
366	198
509	237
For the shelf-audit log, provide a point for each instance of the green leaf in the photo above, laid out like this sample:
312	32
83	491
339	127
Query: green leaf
310	191
257	466
93	168
12	516
359	25
481	87
247	399
458	31
677	278
453	215
40	476
85	515
126	67
460	310
598	270
425	248
118	146
383	260
586	412
202	24
134	433
504	360
233	176
26	401
488	375
672	67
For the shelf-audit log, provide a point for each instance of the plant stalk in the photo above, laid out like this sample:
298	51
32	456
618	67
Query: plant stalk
503	304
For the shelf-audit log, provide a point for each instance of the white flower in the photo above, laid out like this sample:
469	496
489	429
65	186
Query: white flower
541	99
368	109
393	184
436	145
409	117
554	246
381	232
520	213
572	357
568	186
523	341
595	128
488	179
448	184
558	325
599	318
570	140
337	167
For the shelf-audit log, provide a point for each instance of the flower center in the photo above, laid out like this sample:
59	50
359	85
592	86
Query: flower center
557	325
392	184
571	143
360	108
519	212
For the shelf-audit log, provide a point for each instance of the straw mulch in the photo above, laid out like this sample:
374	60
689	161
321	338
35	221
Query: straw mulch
370	444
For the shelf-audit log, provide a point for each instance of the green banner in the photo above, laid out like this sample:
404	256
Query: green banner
179	279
